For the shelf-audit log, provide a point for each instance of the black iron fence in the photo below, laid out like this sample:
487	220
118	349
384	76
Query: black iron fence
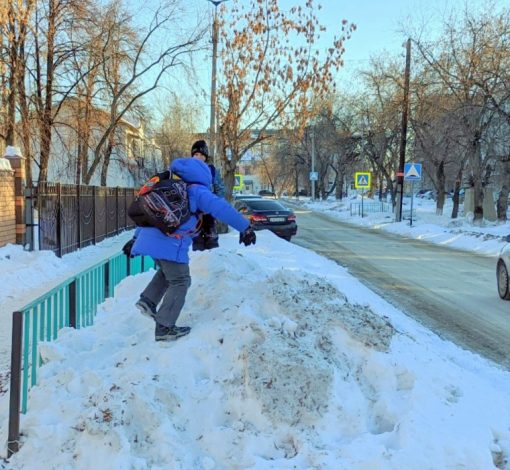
367	208
73	216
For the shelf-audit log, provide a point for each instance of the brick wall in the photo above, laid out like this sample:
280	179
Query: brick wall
7	208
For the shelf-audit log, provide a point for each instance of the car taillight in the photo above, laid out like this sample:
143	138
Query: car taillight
291	217
258	218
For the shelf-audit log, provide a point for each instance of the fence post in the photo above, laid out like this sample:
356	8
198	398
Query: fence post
106	214
72	304
125	209
59	219
129	265
15	392
107	279
79	215
94	210
117	209
18	165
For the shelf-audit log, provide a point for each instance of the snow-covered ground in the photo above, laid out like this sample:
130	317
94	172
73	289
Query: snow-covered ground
285	368
25	276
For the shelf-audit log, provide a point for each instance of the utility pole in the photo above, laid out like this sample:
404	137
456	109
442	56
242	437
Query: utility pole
212	125
403	139
313	165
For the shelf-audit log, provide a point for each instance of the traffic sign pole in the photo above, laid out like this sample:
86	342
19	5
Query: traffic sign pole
412	200
362	194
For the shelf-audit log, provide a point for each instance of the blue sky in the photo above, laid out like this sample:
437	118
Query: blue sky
377	24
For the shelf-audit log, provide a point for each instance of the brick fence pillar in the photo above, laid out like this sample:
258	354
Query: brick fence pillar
18	165
7	207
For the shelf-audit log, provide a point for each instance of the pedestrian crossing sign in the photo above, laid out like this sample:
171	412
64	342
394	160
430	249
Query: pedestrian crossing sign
238	183
362	180
412	171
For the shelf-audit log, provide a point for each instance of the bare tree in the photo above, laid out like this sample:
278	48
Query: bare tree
464	60
134	65
266	80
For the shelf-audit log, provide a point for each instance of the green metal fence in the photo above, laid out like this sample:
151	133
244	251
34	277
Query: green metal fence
71	304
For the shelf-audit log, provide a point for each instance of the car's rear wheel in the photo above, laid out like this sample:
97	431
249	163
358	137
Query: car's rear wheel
503	281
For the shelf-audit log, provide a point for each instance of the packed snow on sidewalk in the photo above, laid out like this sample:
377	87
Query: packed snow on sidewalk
26	275
291	363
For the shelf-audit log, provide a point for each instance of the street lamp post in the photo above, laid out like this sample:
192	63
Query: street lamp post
364	125
212	126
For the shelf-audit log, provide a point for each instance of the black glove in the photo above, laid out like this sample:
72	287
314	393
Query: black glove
127	248
199	242
248	237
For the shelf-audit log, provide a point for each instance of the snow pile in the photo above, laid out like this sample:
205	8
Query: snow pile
283	369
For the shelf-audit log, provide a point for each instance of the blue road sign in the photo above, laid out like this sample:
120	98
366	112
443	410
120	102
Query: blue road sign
412	171
238	182
362	180
314	176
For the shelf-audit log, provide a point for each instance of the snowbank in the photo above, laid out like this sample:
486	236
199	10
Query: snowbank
283	369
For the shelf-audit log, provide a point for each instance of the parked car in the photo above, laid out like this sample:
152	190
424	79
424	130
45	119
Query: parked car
431	195
421	192
502	271
267	214
265	192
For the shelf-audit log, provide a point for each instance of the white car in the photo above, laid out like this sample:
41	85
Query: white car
502	271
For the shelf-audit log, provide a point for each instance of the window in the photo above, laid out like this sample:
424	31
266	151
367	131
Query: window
266	205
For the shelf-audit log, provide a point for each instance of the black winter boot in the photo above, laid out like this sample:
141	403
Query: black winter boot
164	333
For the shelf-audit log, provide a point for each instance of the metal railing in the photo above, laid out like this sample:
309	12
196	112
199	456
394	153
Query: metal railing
71	304
370	207
75	216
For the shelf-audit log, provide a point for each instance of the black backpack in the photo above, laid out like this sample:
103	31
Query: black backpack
162	203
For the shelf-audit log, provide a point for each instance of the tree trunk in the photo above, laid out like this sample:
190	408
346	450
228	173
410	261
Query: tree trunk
441	183
297	181
229	170
106	163
339	193
46	119
475	161
502	204
13	74
25	128
458	186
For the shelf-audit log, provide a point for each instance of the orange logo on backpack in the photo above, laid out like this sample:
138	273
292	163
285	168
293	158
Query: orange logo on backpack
148	186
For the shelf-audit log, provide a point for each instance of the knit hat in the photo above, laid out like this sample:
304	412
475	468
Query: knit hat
200	146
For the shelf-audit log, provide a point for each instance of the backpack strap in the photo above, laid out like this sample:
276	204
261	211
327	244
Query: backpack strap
190	231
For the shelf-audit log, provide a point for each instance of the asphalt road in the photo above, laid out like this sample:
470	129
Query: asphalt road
452	292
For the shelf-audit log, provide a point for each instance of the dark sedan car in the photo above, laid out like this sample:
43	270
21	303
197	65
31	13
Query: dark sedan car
246	196
270	215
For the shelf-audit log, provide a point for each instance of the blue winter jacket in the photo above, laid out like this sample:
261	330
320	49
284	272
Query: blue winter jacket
152	242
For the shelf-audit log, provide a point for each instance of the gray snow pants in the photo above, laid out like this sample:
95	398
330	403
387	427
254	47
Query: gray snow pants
170	283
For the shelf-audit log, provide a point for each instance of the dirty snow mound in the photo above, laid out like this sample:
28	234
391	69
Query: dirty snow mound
318	305
291	366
